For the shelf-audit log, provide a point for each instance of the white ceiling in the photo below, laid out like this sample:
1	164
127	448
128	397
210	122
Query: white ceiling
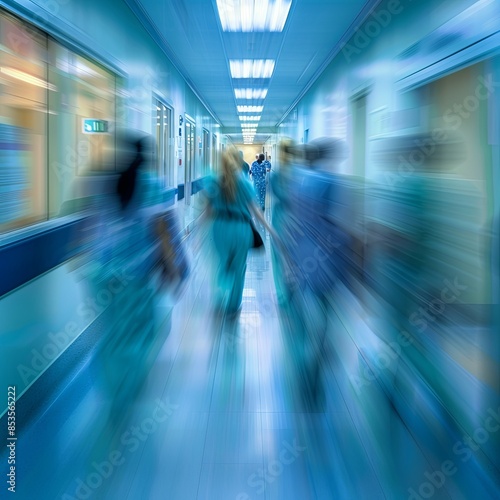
190	33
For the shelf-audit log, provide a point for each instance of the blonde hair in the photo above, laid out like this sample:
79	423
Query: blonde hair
230	169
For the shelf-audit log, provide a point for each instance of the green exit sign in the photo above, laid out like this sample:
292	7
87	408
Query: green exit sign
95	126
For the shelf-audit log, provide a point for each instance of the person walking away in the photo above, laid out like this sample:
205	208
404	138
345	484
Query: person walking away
315	252
259	180
230	204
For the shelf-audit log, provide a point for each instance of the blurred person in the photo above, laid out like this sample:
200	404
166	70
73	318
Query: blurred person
259	180
267	163
315	187
313	254
244	165
230	205
424	271
425	240
280	184
121	295
396	250
129	247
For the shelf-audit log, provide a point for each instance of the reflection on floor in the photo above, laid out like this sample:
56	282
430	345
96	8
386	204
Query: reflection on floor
222	416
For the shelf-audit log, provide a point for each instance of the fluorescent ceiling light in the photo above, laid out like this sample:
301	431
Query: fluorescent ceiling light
249	118
251	68
250	93
253	15
250	109
25	77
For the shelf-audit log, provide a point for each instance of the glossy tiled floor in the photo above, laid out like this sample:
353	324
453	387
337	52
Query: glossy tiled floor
222	416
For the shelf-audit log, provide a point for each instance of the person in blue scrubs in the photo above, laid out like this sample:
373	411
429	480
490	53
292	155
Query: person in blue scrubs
259	180
315	240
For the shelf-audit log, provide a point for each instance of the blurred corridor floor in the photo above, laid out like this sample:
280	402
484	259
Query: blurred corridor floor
221	417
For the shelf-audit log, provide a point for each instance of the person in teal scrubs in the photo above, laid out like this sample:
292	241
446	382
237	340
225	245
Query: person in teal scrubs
230	204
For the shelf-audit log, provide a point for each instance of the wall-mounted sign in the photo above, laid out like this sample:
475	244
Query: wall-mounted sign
94	126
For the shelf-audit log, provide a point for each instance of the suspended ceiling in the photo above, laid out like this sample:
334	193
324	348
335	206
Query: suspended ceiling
191	35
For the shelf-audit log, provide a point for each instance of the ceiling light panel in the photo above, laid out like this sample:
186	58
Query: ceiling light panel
249	118
250	93
253	15
251	68
250	109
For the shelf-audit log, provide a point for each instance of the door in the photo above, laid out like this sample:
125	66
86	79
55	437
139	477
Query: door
164	163
190	146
